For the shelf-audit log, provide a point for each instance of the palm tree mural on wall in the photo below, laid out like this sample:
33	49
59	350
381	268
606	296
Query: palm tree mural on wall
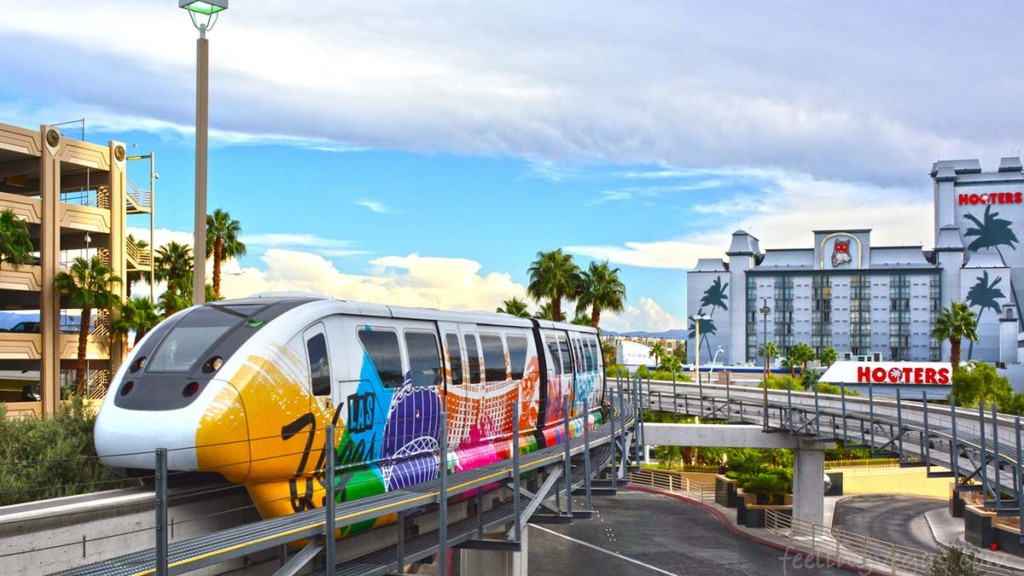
984	295
991	232
714	297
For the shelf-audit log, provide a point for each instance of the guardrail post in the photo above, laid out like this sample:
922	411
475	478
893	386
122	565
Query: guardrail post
927	435
954	448
330	553
517	525
817	413
1020	482
400	553
984	450
615	443
623	449
442	512
568	461
586	454
161	511
700	390
871	413
995	453
842	392
899	424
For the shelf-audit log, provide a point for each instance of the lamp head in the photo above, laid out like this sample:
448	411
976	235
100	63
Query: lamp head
203	12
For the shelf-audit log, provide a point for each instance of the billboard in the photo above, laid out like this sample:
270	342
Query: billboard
911	373
633	354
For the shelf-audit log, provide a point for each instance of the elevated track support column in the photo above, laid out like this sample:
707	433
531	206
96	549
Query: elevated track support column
809	483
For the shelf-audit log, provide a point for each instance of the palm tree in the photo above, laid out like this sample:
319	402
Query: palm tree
174	266
88	284
801	354
829	356
769	350
15	242
672	364
554	275
138	315
134	276
991	232
582	319
658	351
222	242
601	289
956	323
515	307
544	312
984	295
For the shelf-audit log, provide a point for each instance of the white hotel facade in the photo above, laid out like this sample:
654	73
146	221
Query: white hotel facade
875	302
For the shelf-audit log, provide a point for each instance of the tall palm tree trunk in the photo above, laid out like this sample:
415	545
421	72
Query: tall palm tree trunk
595	315
556	307
83	342
218	255
954	353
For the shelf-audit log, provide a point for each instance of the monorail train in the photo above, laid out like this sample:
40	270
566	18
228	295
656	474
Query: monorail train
245	388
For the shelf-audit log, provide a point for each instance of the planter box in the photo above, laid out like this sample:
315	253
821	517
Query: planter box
725	492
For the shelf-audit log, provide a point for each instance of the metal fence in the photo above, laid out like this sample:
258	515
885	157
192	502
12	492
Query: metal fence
836	547
674	482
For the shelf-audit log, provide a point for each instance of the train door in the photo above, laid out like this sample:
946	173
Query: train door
584	381
462	379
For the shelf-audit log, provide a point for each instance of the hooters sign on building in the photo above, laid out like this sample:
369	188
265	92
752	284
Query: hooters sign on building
888	373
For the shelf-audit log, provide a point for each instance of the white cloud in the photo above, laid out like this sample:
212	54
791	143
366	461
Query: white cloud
374	206
646	313
327	247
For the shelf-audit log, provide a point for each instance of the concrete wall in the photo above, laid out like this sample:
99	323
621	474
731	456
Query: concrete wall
892	480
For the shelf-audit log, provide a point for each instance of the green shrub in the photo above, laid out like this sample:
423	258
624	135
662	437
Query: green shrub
51	457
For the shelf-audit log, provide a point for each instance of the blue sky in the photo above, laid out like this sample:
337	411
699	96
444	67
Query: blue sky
422	153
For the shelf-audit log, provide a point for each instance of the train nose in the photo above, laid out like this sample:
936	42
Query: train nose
208	435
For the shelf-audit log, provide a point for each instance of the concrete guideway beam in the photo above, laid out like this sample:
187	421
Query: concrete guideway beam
727	436
808	461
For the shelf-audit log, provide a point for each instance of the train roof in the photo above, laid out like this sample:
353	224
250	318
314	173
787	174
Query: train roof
412	313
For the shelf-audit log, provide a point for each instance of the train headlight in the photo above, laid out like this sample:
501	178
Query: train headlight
138	365
213	364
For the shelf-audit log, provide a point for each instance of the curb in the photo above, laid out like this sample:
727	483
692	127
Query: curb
732	528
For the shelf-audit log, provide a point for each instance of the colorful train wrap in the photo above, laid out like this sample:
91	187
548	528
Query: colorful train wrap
245	388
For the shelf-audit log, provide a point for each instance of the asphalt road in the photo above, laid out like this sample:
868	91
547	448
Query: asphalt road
645	534
896	519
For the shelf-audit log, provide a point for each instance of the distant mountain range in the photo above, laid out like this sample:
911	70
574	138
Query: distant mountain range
676	334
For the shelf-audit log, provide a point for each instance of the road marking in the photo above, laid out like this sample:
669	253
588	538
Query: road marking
599	549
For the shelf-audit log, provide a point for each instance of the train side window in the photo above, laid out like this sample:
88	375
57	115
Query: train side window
588	355
517	355
563	347
454	356
552	345
577	347
494	358
319	365
424	361
382	348
473	358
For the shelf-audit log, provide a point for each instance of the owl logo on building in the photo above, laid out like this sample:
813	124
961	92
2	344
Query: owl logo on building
840	253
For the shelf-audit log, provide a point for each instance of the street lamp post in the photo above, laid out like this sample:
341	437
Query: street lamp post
765	311
696	342
204	16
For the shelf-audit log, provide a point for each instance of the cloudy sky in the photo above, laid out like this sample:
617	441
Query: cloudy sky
423	152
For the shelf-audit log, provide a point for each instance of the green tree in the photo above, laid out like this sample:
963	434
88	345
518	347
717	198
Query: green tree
829	356
954	324
544	312
800	355
174	265
990	232
582	319
984	295
87	284
515	307
222	242
976	381
15	241
658	351
956	561
601	289
138	315
672	364
768	351
554	275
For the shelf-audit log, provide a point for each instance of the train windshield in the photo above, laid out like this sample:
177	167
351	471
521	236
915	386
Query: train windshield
194	334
